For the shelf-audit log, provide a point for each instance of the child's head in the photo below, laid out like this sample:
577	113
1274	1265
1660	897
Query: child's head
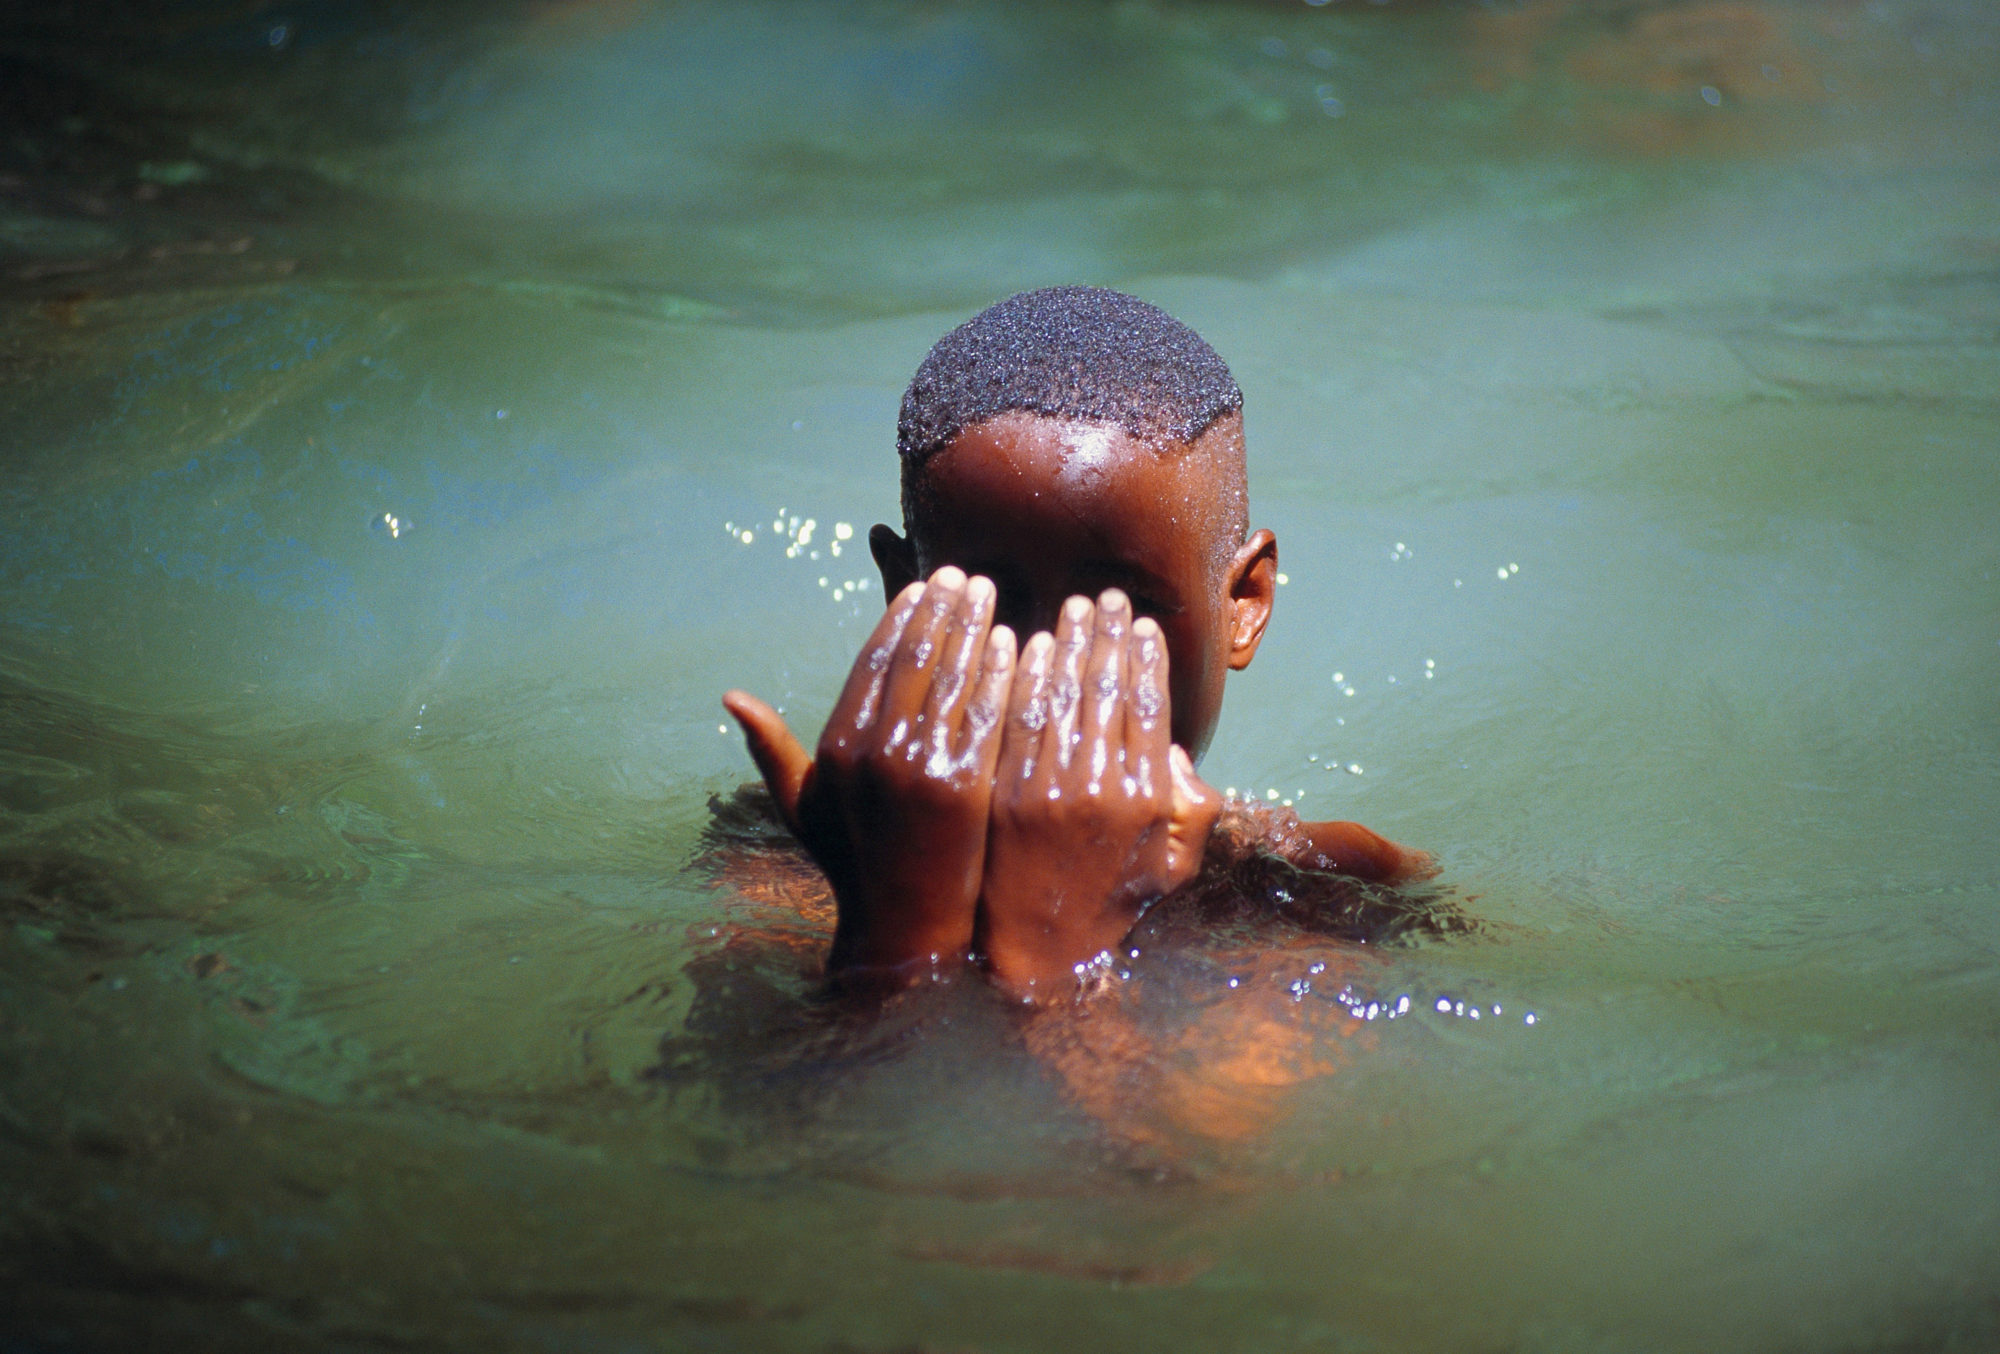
1075	439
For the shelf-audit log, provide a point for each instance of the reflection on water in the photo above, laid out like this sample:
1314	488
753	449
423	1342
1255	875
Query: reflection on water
387	398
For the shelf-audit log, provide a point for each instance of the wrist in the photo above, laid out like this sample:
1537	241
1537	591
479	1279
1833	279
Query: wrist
852	977
1041	961
899	932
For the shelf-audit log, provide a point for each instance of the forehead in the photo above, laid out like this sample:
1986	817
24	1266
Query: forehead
1083	482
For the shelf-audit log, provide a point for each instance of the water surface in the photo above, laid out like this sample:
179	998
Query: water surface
388	399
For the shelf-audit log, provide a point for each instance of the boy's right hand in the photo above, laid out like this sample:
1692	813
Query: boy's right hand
894	806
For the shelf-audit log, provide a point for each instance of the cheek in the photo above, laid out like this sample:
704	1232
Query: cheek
1195	664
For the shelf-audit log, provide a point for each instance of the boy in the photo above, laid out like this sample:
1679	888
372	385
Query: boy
968	799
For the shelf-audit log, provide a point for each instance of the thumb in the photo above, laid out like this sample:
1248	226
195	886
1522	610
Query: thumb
1196	807
780	757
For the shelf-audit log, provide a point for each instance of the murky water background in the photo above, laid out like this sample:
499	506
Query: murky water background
385	400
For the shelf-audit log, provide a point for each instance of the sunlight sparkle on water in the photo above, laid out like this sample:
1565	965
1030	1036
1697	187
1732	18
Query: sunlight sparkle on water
799	533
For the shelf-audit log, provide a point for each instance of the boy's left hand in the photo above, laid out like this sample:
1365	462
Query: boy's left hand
1095	811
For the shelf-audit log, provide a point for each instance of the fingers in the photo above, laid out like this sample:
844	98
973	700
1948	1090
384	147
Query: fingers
1027	712
861	698
1147	709
780	758
980	735
907	684
1074	632
1101	720
963	650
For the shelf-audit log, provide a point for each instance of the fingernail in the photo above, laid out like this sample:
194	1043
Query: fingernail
1001	638
951	576
1112	600
1076	608
1146	628
980	590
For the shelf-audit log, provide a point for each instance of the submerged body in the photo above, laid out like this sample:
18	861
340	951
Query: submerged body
1226	997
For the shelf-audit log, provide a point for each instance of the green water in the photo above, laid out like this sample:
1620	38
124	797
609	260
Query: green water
383	397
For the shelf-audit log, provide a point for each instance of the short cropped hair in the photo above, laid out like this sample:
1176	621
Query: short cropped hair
1085	353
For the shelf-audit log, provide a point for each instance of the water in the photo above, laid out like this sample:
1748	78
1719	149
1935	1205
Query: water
386	396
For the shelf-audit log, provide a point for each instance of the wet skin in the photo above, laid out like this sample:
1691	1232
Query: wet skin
1037	838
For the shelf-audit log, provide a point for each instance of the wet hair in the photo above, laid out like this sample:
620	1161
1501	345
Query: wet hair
1085	353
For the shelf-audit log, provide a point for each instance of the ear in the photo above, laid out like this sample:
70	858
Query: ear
895	556
1253	590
